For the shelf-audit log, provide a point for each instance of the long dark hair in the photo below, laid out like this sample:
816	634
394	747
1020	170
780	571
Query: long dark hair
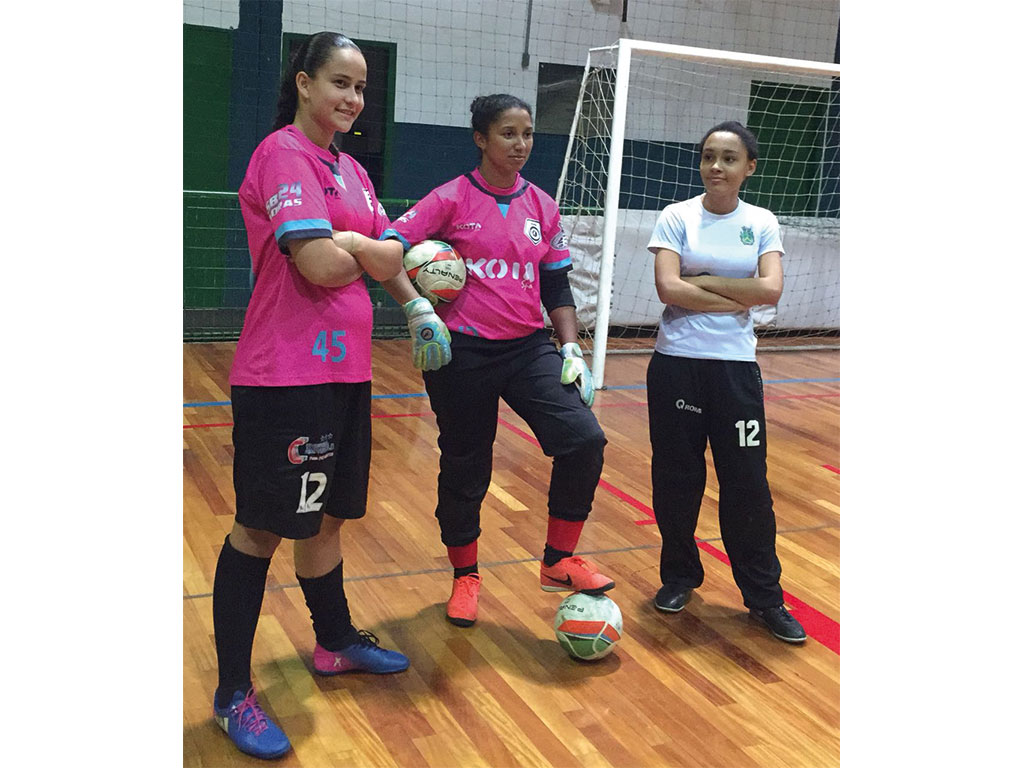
310	56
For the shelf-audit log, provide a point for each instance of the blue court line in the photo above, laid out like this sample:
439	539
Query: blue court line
800	381
767	381
617	386
375	397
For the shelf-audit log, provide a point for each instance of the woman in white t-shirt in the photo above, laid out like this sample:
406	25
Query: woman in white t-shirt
715	258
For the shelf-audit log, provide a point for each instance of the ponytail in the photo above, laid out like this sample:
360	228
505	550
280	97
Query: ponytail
310	56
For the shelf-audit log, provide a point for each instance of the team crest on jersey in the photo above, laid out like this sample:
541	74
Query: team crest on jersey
532	230
560	242
301	450
747	236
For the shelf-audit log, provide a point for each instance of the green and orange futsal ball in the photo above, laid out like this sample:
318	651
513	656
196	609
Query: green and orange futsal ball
588	626
435	270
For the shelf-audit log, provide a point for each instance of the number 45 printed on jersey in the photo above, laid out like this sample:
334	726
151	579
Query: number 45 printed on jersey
321	350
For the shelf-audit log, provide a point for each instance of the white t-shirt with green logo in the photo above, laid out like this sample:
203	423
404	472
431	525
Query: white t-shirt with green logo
712	244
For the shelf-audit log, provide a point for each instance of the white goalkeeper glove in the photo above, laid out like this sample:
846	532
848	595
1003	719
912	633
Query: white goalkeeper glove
431	342
575	371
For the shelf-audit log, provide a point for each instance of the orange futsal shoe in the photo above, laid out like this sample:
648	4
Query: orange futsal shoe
462	603
573	574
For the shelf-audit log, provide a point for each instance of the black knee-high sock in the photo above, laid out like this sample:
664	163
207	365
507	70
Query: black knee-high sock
328	607
238	586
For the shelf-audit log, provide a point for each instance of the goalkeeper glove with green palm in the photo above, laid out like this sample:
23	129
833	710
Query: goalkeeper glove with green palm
575	371
431	342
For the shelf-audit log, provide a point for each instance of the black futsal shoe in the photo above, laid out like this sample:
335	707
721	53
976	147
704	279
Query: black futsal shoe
672	599
780	623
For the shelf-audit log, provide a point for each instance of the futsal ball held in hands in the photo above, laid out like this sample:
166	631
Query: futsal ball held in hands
588	626
435	270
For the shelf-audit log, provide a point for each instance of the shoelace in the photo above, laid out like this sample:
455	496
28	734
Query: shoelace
251	716
368	638
582	563
779	612
466	584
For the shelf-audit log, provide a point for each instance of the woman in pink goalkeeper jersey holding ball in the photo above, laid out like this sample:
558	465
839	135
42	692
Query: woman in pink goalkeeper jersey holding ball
491	343
300	381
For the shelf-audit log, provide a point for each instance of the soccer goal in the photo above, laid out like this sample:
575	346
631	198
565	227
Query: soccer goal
643	108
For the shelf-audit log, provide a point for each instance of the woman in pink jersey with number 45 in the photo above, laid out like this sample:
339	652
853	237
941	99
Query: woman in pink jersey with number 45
300	381
491	343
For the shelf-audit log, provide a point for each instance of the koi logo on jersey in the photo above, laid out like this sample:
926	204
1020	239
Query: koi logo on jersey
560	242
531	228
286	195
496	269
407	216
302	450
747	236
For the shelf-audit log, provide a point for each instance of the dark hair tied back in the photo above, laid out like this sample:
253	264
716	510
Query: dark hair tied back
308	58
731	126
487	109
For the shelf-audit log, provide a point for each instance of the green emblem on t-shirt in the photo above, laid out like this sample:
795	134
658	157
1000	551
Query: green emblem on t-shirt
747	236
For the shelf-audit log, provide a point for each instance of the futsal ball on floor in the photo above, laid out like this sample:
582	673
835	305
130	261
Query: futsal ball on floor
436	270
588	626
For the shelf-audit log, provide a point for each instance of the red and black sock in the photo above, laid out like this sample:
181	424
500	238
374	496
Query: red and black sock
464	559
562	538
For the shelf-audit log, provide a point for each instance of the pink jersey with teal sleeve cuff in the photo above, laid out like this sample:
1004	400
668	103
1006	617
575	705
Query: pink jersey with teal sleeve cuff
295	332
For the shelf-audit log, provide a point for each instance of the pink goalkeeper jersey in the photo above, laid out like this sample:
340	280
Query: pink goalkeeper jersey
505	236
295	332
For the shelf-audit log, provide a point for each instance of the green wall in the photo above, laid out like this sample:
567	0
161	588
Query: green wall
206	99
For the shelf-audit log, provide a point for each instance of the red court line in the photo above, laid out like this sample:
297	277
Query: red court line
830	467
372	416
635	503
523	434
819	626
643	403
800	397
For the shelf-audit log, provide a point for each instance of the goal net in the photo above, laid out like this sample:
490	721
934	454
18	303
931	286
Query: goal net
642	109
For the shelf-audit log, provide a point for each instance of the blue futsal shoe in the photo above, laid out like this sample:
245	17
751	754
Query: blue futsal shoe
364	655
248	726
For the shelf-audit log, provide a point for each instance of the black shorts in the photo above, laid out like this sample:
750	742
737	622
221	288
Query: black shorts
300	453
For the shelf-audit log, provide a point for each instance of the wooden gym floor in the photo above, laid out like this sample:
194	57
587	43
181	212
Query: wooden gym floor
706	687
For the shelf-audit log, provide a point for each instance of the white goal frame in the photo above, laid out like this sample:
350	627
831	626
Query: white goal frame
626	48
